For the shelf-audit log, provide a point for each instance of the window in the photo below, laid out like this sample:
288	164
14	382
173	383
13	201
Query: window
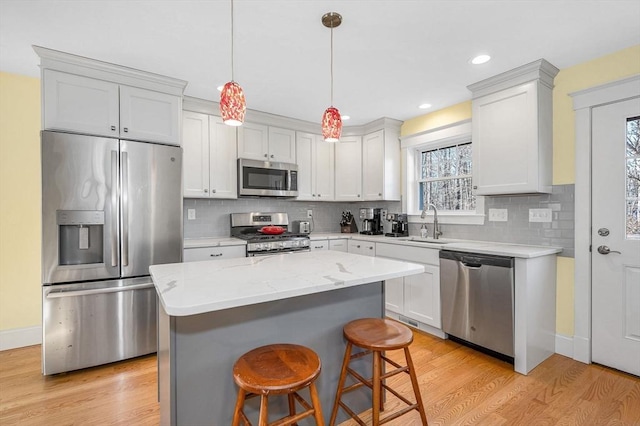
445	178
633	178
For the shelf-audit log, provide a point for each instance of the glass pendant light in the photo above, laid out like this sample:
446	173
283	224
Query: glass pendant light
232	102
331	120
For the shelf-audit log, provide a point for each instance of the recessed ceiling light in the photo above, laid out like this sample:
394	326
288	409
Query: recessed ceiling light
345	117
424	106
480	59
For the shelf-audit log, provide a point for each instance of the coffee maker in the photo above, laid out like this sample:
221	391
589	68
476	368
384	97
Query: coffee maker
399	225
371	221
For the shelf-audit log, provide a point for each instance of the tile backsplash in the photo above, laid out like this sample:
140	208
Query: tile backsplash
517	229
212	217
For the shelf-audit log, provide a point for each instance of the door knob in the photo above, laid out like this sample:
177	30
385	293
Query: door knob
606	250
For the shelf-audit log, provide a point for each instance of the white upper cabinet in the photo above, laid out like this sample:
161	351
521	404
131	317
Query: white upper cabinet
82	95
80	104
266	143
209	157
381	165
512	131
315	160
348	169
146	115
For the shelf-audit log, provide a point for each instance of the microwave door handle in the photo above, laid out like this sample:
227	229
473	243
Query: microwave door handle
125	209
114	209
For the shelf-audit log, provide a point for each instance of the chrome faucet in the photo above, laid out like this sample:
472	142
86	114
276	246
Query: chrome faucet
436	230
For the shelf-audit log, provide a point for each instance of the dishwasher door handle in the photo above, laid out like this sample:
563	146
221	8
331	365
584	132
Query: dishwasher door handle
471	265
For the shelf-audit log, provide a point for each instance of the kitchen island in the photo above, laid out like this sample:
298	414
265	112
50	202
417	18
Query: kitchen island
212	312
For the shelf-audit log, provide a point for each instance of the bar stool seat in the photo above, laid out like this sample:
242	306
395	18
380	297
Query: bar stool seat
278	369
377	335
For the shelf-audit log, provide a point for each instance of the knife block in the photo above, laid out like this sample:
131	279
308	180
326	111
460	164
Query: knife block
349	228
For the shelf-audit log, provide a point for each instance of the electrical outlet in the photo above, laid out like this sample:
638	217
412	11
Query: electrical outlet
191	214
540	215
498	215
309	213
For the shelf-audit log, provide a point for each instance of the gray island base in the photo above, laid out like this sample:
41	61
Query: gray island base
197	352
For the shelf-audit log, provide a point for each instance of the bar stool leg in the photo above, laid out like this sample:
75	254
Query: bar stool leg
315	401
382	390
343	376
264	411
376	388
416	387
239	406
292	405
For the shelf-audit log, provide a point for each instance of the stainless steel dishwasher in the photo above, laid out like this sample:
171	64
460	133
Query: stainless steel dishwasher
476	291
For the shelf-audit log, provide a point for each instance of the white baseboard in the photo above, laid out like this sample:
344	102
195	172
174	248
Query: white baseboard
564	345
20	337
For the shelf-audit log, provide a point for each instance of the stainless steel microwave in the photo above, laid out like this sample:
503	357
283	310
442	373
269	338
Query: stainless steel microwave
267	179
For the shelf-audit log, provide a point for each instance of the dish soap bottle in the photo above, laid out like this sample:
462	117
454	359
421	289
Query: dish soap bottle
423	231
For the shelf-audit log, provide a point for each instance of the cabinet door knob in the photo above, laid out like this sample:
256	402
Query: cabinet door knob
213	191
370	248
206	191
271	155
379	194
265	156
126	130
358	195
313	195
113	128
319	195
475	187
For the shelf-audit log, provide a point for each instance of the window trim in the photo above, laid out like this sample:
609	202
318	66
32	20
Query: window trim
412	146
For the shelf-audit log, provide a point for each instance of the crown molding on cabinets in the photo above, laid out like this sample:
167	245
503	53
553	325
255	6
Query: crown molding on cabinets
74	64
374	126
540	70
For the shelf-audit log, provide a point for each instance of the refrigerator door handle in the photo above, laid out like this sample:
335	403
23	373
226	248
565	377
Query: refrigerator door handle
114	207
125	209
75	293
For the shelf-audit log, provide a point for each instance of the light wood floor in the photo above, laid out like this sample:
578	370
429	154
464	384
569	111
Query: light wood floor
458	386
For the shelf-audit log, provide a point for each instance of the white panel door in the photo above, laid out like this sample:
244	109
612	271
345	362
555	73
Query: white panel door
80	104
195	156
305	143
223	159
349	169
422	296
282	145
253	141
324	178
373	166
151	116
616	235
394	295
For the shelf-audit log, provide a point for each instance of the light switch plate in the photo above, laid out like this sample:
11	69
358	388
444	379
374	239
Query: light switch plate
498	215
540	215
191	214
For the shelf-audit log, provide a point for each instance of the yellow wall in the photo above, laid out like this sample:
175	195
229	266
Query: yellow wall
608	68
20	295
615	66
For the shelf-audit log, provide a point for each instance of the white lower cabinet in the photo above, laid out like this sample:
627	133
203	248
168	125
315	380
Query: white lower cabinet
319	245
338	245
416	297
365	248
213	253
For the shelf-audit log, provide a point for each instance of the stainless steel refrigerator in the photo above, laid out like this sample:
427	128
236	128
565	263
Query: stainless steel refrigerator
110	209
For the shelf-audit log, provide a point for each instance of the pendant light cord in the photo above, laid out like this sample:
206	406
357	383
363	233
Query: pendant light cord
232	40
332	64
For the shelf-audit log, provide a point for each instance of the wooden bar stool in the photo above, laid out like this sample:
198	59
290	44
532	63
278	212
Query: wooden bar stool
279	369
377	335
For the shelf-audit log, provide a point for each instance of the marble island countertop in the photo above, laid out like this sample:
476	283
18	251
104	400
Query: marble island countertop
197	287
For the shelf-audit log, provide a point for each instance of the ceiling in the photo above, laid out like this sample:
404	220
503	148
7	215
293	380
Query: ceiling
389	56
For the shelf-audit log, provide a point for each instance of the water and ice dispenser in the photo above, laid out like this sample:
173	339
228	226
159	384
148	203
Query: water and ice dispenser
80	237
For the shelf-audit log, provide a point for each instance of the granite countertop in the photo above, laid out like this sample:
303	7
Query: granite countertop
470	246
196	287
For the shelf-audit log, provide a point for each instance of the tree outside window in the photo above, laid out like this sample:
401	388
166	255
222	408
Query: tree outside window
633	178
445	178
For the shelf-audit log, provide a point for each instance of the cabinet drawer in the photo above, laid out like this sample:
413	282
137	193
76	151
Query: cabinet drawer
319	245
213	253
338	245
410	254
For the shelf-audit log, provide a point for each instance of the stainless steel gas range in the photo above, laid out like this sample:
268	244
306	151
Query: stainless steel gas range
267	233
